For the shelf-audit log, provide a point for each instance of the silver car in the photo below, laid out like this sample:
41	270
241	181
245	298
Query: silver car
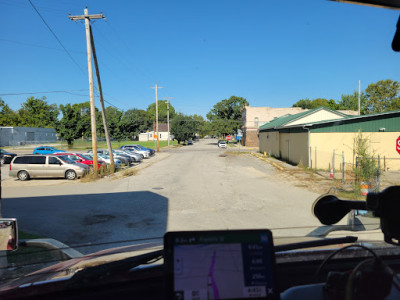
123	157
135	157
25	167
136	149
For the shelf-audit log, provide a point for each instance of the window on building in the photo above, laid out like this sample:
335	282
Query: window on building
256	122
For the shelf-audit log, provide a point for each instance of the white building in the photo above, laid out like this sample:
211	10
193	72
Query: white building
150	135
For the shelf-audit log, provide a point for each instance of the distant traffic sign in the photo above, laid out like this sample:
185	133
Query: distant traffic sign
398	145
228	137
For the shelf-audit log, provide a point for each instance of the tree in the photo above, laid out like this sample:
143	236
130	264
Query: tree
303	103
162	111
226	115
37	113
318	102
75	122
350	102
114	121
135	121
8	117
67	128
83	121
382	96
202	125
183	127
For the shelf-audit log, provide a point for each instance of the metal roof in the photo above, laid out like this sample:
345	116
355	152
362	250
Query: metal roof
281	121
373	122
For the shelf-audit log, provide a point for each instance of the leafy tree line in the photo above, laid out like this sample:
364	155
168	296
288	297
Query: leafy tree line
377	97
72	121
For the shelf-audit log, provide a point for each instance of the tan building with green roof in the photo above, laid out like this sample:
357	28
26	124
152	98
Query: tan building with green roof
314	137
254	117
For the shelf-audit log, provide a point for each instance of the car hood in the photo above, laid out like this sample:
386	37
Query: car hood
66	269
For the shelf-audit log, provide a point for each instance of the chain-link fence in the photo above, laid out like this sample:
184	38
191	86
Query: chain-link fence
372	169
356	169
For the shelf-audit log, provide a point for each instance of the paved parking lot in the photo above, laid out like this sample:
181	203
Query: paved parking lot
4	172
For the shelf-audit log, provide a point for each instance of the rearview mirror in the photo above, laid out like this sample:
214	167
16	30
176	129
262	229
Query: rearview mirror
8	234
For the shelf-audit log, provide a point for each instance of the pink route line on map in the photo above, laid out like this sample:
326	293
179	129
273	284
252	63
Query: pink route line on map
214	285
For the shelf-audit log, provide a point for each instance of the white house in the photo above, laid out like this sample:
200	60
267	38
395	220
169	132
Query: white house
149	136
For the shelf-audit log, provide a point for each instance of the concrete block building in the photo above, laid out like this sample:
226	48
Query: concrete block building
17	136
312	138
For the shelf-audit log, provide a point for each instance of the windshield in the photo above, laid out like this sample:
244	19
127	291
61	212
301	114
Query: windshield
282	101
86	157
66	159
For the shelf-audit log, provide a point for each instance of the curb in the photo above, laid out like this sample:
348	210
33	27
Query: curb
268	161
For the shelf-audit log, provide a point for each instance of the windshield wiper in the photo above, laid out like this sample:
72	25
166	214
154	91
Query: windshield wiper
316	243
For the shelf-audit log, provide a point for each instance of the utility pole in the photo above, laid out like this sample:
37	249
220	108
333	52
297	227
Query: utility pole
359	97
168	98
87	18
103	111
156	88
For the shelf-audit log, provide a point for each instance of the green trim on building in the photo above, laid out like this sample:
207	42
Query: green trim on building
376	123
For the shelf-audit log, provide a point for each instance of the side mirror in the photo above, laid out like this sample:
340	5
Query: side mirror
360	220
8	234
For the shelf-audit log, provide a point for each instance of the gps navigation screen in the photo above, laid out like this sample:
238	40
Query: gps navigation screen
223	265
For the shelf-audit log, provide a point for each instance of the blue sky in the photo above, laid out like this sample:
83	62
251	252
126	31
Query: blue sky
272	53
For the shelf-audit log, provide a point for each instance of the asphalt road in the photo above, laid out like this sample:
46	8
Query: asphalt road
197	187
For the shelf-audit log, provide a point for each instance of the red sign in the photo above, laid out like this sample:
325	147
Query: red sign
228	137
398	145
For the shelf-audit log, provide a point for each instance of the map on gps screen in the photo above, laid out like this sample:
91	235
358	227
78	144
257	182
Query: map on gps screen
222	271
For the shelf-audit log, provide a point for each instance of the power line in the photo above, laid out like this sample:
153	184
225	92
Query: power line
38	46
55	36
47	92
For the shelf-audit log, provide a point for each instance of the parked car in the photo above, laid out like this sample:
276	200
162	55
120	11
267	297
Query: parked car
134	148
105	158
190	142
122	156
222	144
136	156
80	158
6	157
46	150
25	167
152	151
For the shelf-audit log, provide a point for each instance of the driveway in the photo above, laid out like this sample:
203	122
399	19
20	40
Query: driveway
198	187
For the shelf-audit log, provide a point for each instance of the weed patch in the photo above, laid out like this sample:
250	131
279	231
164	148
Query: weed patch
129	172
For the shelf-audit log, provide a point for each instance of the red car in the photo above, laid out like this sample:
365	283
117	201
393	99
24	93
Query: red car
80	158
